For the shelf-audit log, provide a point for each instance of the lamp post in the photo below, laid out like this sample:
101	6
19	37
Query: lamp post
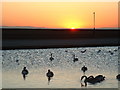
94	19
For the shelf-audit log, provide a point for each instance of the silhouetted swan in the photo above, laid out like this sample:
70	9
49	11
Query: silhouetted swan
49	74
98	51
92	80
83	51
111	52
24	72
51	58
75	59
115	50
84	69
118	77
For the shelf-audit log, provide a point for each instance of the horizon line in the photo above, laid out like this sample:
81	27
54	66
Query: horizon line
32	27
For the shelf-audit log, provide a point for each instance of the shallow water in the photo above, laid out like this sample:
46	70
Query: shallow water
99	60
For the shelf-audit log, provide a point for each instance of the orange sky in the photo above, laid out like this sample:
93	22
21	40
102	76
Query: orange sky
60	14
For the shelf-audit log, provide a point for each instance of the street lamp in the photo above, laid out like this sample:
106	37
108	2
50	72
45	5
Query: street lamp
94	19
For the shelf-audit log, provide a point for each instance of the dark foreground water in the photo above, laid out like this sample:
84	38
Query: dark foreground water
99	60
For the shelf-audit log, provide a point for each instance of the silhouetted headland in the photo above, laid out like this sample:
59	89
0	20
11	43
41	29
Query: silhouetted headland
22	38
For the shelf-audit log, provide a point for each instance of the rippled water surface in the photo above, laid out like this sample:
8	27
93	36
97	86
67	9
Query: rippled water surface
99	60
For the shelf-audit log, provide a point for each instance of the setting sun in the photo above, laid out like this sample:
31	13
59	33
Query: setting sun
72	28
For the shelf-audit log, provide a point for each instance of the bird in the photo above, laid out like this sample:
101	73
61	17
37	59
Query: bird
51	58
84	69
115	50
17	61
24	73
93	80
83	51
118	77
98	51
111	52
75	59
49	74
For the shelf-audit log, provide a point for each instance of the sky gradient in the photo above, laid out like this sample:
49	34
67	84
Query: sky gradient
60	14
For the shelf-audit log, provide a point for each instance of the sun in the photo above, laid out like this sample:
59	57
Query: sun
72	28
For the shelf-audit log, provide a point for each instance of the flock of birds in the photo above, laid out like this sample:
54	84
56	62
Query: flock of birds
84	78
75	58
91	79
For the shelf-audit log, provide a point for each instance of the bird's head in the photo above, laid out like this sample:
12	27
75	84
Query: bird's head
48	70
24	68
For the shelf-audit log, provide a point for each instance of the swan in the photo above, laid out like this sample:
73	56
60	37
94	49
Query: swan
51	58
84	69
92	79
49	74
83	51
118	77
75	59
24	72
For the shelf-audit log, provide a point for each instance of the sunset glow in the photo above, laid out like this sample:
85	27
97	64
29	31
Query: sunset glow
60	14
72	28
